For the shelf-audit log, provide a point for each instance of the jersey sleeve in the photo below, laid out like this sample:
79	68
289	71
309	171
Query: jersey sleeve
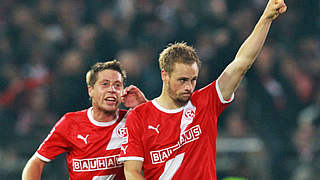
211	97
132	146
55	143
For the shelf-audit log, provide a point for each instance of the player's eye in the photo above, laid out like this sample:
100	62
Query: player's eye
105	84
182	80
118	85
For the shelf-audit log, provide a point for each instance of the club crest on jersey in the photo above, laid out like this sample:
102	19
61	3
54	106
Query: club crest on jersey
122	132
189	114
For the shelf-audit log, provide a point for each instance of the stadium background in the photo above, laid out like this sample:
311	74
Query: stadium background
271	130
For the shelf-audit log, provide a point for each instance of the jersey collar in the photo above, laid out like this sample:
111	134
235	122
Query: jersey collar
98	123
171	111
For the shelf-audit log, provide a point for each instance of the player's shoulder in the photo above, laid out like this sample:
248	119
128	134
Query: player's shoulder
143	107
202	95
76	114
206	88
72	117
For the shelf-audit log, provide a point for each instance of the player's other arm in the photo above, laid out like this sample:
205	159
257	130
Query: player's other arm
133	96
249	50
33	169
132	170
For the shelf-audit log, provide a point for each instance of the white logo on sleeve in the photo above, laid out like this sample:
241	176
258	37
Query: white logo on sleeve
156	129
84	139
124	149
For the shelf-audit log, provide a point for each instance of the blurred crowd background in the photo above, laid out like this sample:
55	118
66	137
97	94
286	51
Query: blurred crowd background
270	132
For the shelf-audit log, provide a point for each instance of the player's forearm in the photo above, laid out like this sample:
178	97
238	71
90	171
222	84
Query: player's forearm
33	169
133	175
132	170
252	46
31	175
249	50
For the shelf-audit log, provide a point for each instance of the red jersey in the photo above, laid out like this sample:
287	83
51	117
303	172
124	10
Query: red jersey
176	144
92	147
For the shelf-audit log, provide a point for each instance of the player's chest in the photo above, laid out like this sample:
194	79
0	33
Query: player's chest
84	140
163	140
95	148
166	130
90	142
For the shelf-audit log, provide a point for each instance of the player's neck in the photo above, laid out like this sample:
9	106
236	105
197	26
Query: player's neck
165	101
103	116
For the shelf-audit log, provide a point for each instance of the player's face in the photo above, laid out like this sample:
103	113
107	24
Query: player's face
182	81
106	92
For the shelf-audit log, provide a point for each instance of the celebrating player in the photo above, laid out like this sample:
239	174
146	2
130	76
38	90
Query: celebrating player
91	137
174	136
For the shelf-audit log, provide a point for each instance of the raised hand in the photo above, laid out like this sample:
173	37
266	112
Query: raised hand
132	96
274	8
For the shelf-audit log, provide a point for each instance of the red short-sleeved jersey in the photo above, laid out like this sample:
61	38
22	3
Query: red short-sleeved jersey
92	147
176	144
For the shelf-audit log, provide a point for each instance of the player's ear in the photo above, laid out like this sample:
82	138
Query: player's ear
164	75
90	88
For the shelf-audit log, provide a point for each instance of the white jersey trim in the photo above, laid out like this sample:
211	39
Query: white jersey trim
171	167
157	105
220	95
135	158
102	124
106	177
116	138
42	157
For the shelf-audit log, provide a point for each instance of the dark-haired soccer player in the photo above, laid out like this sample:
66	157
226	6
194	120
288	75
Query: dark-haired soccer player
91	137
174	135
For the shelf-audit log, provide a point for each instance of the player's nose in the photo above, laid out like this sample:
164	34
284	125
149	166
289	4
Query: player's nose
188	86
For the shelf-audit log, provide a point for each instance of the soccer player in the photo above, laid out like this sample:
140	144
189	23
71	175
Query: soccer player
174	136
91	137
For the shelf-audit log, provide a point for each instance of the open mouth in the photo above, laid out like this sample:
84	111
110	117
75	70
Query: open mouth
110	100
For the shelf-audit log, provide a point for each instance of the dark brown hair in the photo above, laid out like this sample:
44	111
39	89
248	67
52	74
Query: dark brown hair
91	76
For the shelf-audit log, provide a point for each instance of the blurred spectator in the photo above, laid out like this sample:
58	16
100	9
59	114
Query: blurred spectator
240	152
310	114
70	70
305	164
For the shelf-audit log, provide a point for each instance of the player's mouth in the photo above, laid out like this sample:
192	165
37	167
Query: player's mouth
110	100
186	94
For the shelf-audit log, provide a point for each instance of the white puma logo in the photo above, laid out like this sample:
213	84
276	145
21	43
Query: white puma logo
124	149
84	139
156	129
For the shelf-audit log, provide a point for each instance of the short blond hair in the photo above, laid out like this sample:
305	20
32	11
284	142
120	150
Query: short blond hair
177	53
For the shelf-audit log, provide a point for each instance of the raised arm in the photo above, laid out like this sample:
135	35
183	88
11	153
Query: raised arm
132	170
250	49
33	169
